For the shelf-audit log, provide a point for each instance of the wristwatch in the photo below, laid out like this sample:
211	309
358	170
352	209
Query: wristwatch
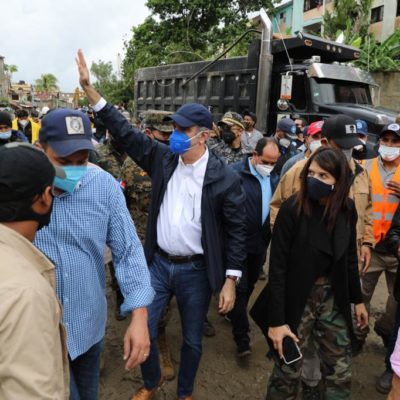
234	278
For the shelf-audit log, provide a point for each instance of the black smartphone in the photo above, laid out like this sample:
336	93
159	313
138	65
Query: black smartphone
291	351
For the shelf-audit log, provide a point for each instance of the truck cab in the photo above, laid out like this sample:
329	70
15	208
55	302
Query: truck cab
304	75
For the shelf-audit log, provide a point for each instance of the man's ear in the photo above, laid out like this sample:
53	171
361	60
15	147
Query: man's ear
204	136
43	202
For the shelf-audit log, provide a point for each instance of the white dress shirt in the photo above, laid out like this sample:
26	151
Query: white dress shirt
179	221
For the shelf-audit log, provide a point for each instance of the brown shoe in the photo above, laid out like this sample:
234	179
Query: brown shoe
147	394
185	398
167	368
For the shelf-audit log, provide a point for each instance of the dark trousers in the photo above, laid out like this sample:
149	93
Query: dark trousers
85	374
189	284
238	316
392	340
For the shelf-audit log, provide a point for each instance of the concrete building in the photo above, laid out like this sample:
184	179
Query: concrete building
291	16
4	80
385	18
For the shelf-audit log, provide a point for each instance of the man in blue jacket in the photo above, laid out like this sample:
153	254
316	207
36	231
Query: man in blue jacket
259	181
196	232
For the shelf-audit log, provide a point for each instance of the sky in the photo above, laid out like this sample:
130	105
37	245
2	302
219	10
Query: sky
43	36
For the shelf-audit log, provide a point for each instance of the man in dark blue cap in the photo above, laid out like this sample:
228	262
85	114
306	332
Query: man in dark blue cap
286	137
89	212
195	239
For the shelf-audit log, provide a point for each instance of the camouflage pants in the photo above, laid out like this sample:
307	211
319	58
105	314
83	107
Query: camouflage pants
324	328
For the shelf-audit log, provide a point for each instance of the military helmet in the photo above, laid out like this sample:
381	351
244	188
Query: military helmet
155	119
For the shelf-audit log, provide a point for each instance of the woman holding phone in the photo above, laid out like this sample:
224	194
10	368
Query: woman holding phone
313	278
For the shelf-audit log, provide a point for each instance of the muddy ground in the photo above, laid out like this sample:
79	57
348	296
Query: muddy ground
222	376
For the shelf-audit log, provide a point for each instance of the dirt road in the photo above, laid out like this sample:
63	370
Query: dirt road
221	375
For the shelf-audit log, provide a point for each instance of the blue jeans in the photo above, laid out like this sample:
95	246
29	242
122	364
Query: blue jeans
189	283
85	374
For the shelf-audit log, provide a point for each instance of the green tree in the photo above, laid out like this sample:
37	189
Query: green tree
10	69
188	30
352	17
108	84
385	56
46	83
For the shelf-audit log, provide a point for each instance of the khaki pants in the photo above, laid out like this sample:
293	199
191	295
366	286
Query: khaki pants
381	263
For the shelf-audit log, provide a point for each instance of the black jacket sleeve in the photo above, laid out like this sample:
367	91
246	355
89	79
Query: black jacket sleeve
393	236
143	150
234	222
355	294
282	239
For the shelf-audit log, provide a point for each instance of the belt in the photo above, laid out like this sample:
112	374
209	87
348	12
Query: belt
179	259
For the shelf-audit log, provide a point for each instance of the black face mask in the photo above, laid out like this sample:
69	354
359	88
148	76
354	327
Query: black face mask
13	213
163	141
317	189
227	136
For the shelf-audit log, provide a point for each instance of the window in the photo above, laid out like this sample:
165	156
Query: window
398	8
310	4
376	14
282	17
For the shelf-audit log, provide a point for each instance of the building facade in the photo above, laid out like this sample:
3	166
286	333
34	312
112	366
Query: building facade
292	16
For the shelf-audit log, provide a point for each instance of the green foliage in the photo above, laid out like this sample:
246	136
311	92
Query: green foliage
11	68
348	16
383	56
108	84
188	30
46	83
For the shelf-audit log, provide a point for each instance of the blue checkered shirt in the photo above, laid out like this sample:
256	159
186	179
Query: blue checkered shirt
81	226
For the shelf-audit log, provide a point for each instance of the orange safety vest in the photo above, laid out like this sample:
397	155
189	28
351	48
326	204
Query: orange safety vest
384	204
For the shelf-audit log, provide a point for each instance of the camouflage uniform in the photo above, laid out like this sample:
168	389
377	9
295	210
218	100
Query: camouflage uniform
228	154
325	329
222	149
109	159
137	193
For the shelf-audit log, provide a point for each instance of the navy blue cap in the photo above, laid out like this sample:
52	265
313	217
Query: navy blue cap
288	126
192	114
362	127
395	128
66	131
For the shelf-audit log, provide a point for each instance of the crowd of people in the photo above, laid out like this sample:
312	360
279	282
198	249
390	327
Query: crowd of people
178	206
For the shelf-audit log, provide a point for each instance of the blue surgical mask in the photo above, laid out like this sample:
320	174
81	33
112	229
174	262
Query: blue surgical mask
73	175
179	142
5	135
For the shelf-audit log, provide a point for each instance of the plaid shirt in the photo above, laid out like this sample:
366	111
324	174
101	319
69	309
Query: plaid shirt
82	224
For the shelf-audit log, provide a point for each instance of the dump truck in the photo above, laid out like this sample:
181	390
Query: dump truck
303	76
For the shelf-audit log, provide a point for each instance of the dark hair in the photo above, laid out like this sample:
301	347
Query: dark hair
334	162
303	121
21	113
263	142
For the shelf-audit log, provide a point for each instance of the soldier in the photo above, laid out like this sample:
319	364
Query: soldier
137	189
229	147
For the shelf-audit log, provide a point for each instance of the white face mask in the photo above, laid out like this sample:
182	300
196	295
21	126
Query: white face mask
389	153
284	142
264	170
347	153
23	122
315	145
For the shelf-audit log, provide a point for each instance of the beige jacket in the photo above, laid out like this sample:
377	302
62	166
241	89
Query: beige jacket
33	354
360	192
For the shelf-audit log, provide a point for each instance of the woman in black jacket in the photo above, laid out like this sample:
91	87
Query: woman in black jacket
313	277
